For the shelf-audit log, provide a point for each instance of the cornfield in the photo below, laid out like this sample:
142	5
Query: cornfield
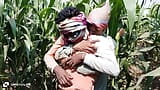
28	30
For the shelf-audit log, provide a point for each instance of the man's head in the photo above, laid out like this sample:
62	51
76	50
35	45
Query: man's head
98	19
72	24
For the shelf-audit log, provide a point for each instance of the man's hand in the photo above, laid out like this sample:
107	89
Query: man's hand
85	46
63	77
63	63
75	60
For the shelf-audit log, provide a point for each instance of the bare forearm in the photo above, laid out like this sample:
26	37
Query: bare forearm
50	62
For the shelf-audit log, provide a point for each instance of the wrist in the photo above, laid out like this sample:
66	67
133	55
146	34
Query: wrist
56	68
83	56
74	50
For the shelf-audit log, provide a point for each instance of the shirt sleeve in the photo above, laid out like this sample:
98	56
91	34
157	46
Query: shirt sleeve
49	56
104	60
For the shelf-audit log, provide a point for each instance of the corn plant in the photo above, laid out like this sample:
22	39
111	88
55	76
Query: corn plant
28	30
138	48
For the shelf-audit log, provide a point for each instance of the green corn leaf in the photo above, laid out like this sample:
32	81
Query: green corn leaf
1	6
15	44
146	49
144	35
51	3
46	11
153	73
1	63
86	9
5	48
26	30
28	42
28	45
13	25
117	8
24	3
131	11
13	31
21	14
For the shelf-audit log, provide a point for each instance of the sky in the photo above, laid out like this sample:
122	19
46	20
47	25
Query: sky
149	3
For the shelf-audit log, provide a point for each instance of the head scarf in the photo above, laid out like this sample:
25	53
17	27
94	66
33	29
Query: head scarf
77	23
73	24
100	16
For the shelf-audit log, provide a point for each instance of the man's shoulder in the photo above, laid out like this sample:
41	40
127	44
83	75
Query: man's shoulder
106	40
101	37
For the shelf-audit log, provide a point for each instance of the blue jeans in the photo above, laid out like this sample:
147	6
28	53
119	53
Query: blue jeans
101	82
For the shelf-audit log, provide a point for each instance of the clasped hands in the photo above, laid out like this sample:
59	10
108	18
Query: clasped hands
72	62
79	52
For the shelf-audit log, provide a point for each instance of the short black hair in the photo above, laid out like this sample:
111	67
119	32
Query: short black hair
67	12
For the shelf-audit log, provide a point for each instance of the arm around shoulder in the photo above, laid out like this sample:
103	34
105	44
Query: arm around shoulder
104	60
49	56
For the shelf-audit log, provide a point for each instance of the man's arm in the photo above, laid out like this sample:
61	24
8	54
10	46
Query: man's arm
103	61
63	77
49	56
85	46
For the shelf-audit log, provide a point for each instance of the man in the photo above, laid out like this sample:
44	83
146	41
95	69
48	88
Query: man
97	24
64	76
106	59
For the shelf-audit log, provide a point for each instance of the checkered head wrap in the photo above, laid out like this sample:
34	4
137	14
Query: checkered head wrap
77	26
73	24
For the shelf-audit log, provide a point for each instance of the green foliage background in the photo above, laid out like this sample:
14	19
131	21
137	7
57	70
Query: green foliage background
27	31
